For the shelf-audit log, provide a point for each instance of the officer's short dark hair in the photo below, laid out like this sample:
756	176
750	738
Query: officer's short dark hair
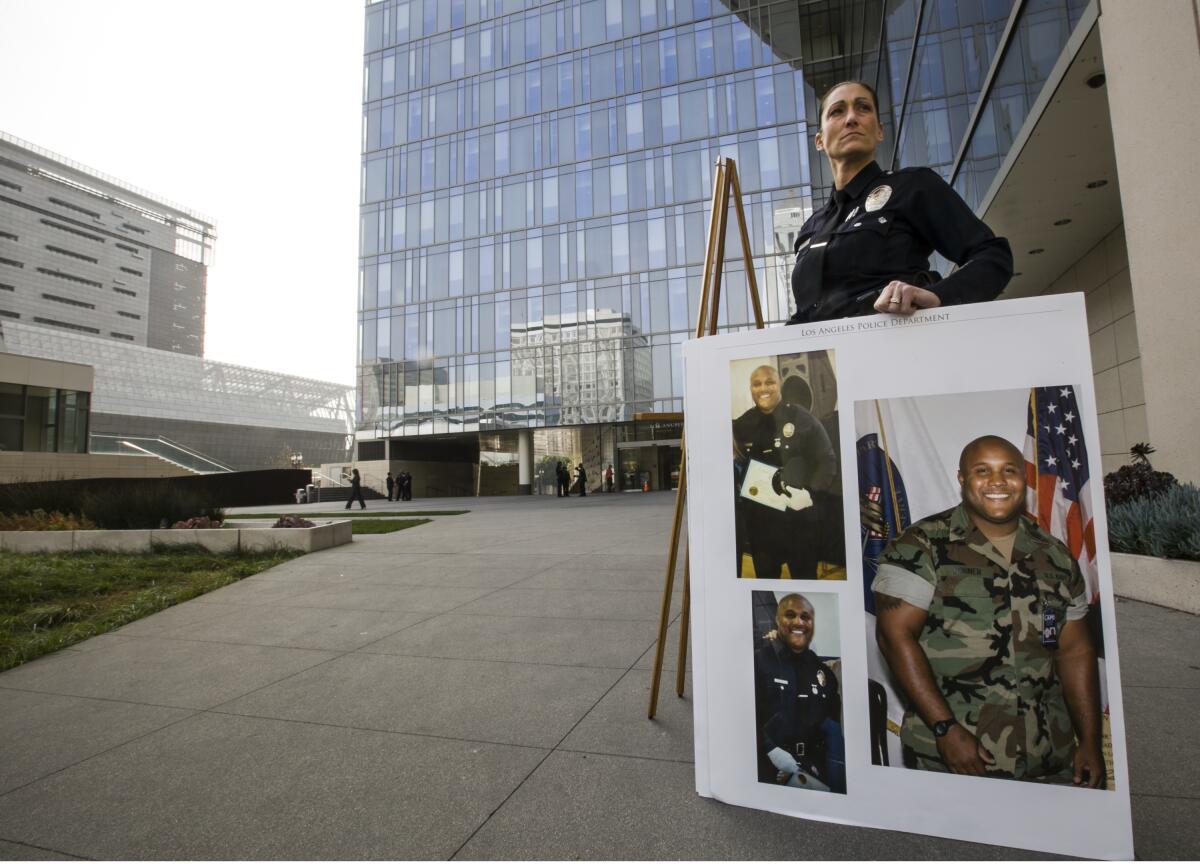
863	84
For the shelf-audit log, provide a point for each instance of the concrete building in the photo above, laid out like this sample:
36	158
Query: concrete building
96	272
529	165
83	252
193	414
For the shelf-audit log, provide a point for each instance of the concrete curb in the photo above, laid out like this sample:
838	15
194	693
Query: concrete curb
1163	582
235	537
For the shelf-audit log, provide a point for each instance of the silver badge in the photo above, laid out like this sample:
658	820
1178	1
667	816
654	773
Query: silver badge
878	197
821	677
789	429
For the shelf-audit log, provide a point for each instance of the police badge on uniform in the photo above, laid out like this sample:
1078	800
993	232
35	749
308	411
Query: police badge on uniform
878	197
821	677
789	429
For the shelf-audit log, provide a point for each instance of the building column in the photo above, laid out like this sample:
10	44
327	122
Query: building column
524	462
1149	60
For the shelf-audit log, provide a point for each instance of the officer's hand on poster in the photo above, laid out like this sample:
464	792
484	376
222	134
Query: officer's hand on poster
900	298
963	753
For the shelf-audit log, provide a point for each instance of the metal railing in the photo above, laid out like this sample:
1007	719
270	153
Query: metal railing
333	481
159	447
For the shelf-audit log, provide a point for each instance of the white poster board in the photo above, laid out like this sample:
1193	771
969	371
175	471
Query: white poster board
897	399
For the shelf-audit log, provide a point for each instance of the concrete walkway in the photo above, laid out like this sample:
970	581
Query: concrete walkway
473	688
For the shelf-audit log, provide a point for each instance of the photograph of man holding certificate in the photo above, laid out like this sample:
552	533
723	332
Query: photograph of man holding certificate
786	468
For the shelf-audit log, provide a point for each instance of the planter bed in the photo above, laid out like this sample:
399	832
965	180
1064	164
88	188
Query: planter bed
1161	581
234	537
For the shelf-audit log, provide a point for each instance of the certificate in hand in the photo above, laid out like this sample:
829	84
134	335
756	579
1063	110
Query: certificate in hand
757	487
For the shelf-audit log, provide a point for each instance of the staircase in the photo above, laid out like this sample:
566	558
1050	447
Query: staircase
160	448
342	493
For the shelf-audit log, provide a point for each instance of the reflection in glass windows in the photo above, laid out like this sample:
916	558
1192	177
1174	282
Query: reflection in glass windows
536	179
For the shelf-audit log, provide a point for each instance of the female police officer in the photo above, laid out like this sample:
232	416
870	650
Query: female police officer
868	248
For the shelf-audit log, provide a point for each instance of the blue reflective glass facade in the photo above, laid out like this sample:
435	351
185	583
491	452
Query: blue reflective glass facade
535	179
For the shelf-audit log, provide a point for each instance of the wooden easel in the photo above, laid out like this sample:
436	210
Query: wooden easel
725	184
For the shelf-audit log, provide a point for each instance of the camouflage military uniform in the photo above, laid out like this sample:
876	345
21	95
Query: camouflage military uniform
983	639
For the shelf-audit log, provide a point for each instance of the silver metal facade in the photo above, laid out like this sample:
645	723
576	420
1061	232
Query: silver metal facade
80	252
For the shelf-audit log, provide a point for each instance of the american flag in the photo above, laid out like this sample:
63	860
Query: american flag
1056	471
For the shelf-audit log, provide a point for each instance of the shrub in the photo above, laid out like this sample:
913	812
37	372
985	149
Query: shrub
40	520
293	522
28	498
198	522
1165	525
148	506
123	505
1139	480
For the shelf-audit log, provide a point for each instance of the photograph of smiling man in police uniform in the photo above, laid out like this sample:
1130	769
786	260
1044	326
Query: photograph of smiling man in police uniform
981	617
797	697
782	456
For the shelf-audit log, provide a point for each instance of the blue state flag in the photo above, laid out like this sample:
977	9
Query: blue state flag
883	506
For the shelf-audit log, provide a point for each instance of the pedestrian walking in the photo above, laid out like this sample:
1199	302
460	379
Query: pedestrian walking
390	484
356	493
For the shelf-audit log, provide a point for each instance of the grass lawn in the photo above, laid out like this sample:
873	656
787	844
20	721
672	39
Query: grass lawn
50	601
384	526
356	513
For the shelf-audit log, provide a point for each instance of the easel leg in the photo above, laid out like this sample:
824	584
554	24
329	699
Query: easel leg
668	587
684	620
724	181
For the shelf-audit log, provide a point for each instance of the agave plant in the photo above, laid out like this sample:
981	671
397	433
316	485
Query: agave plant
1138	480
1140	453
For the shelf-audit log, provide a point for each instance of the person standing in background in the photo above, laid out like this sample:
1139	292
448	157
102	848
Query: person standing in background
356	493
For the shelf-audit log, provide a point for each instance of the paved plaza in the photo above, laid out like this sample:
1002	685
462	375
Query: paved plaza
473	688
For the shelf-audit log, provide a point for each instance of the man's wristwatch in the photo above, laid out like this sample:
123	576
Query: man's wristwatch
941	727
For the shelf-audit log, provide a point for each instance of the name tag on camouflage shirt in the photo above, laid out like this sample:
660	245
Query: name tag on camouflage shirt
1050	623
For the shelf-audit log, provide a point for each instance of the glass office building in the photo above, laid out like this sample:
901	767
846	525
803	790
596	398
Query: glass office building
535	180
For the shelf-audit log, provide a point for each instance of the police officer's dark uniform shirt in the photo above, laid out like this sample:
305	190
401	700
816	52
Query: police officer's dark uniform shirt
789	438
887	225
794	695
793	440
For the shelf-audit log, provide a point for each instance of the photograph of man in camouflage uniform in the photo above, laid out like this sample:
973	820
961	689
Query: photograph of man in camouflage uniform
981	619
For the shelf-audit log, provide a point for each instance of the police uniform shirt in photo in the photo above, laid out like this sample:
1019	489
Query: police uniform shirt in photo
794	441
990	637
795	694
884	225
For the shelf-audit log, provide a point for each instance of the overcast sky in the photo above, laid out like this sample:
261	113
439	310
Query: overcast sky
248	112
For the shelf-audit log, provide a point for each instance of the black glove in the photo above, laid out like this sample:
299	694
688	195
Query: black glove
778	485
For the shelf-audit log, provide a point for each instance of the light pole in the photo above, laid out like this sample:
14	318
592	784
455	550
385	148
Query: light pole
297	459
